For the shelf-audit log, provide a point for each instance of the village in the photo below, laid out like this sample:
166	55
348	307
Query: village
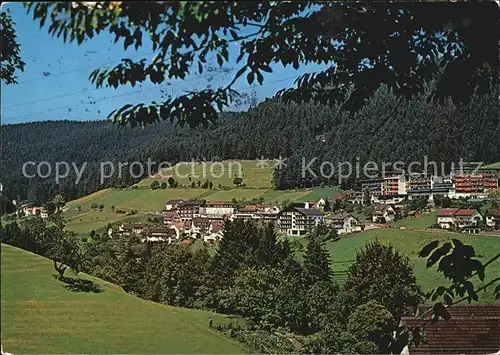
386	200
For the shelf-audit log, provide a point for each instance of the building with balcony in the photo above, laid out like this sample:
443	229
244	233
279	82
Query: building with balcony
343	223
172	204
473	182
383	213
459	218
493	219
187	210
217	209
295	220
394	185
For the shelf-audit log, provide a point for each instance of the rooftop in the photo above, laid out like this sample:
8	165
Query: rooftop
472	329
174	202
494	213
449	212
309	211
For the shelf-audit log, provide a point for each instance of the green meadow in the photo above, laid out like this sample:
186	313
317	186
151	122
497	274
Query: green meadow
219	173
492	166
82	219
410	243
41	316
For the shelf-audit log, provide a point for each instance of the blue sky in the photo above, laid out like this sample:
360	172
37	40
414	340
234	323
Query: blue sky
55	85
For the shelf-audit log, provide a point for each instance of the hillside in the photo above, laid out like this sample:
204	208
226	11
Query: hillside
492	166
379	133
40	316
343	251
82	219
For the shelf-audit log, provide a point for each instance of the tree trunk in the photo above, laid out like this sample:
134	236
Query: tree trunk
60	269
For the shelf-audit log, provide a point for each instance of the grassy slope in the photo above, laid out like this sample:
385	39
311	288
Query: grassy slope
82	220
424	221
410	243
492	166
253	176
40	316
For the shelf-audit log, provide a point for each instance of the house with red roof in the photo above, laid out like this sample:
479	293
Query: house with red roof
493	219
170	217
214	233
459	218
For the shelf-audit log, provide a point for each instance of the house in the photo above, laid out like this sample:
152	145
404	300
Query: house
159	234
343	223
394	185
30	210
256	212
170	217
269	217
468	181
199	227
214	233
414	214
383	213
172	204
458	218
493	219
388	199
298	220
217	209
472	329
44	213
130	228
357	198
187	210
321	203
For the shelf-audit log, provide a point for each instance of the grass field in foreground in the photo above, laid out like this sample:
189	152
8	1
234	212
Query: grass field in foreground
40	316
410	243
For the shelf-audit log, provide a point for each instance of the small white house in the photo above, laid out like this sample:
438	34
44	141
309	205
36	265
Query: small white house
383	214
493	219
344	223
214	233
321	203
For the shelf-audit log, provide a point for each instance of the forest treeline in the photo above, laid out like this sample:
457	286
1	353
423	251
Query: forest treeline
386	130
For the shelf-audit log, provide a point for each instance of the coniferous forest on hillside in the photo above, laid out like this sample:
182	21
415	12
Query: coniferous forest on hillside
384	130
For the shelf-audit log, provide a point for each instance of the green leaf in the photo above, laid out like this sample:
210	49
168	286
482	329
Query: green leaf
426	250
95	21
